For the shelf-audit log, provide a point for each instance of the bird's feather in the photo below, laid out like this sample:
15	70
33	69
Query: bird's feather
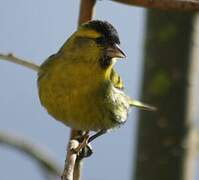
141	105
116	80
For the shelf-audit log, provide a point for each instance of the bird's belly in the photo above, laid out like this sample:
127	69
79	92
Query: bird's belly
77	108
80	106
80	112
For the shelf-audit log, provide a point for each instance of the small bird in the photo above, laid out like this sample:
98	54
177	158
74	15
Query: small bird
78	85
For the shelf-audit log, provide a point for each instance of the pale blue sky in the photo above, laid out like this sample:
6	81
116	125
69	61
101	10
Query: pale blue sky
35	30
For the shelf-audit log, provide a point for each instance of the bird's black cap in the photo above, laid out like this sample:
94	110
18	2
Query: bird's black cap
105	28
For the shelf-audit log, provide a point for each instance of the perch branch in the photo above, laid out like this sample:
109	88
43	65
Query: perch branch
70	161
77	169
179	5
23	145
87	11
19	61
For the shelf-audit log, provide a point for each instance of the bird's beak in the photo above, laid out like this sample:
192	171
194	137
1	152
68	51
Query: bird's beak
115	52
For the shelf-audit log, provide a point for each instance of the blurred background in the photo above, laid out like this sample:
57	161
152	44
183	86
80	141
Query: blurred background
161	68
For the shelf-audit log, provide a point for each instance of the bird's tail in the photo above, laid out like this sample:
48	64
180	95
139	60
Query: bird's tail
141	105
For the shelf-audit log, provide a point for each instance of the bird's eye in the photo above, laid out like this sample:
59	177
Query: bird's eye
101	40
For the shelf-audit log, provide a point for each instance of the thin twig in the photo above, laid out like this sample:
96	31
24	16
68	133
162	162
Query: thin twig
179	5
24	145
70	161
77	169
19	61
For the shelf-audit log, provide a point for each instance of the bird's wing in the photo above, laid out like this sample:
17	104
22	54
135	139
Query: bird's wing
116	80
118	83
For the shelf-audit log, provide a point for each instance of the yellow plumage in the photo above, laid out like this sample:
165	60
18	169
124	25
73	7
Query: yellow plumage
73	101
78	85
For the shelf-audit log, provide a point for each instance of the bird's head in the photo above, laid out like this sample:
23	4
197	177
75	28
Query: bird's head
98	40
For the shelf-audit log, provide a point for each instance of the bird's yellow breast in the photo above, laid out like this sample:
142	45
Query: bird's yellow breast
71	93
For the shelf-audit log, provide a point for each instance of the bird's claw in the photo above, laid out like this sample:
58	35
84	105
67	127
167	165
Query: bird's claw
82	144
85	152
84	148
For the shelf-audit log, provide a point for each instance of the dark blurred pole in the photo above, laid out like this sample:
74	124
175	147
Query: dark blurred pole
161	136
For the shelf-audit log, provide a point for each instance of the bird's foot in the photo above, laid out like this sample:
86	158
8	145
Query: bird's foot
84	148
83	141
87	151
